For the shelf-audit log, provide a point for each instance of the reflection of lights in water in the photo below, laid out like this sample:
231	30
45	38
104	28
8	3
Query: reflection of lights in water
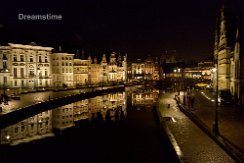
207	97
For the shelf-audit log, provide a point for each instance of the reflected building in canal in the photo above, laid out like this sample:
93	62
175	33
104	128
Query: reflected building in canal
145	97
110	106
33	128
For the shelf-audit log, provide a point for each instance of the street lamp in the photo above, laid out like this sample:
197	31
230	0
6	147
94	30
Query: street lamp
215	123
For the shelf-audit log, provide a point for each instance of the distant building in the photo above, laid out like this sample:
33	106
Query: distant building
147	70
229	53
81	71
168	57
113	71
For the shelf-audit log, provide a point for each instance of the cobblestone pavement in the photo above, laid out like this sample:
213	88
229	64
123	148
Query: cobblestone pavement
191	143
230	119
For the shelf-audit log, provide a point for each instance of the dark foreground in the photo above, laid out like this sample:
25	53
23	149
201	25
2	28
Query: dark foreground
134	137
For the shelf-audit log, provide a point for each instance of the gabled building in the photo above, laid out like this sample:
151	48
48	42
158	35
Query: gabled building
80	70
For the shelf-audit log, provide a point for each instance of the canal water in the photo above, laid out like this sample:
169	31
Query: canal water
117	127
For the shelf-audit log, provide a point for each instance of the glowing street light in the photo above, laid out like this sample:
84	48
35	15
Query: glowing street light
216	121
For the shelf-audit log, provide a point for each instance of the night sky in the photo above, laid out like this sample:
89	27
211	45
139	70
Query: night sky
138	27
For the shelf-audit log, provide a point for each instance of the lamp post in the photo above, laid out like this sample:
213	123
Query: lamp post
216	121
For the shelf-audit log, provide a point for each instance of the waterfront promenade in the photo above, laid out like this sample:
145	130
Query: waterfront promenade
189	141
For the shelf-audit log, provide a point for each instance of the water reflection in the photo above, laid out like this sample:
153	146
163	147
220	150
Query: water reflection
106	108
145	97
36	127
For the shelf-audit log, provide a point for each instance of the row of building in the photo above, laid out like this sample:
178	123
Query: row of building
32	66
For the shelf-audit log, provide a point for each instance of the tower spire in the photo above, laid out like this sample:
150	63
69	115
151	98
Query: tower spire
223	39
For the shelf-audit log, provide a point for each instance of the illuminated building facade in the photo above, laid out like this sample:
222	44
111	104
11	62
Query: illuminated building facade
81	71
29	66
62	65
145	71
4	66
33	67
229	54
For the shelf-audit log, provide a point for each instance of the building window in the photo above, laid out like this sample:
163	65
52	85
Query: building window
46	73
40	58
15	72
21	58
15	58
15	83
4	64
40	73
31	58
46	59
22	83
21	72
31	71
4	56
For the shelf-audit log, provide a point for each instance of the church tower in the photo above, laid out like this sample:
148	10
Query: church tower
223	52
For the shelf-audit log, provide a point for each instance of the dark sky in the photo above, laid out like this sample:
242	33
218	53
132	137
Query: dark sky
139	27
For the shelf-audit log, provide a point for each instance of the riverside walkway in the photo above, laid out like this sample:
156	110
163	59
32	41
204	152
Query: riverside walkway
191	144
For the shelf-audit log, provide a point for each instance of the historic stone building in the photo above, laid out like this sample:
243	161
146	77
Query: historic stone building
144	71
81	70
26	66
229	54
62	65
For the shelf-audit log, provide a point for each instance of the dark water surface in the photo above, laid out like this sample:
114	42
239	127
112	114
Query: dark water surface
119	127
